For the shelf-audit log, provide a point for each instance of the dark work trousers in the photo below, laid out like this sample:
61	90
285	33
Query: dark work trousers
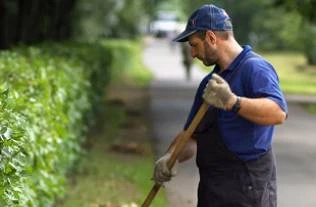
226	180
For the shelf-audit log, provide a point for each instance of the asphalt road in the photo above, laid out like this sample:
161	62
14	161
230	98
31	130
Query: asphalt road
171	99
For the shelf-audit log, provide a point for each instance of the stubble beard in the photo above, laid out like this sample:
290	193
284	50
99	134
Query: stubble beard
210	56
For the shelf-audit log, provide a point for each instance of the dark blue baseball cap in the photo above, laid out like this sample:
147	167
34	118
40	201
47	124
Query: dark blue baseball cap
208	17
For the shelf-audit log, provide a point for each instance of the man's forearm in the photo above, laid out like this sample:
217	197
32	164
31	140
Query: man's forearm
187	152
261	111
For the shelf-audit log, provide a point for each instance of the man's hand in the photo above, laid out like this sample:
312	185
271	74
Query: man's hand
217	93
161	172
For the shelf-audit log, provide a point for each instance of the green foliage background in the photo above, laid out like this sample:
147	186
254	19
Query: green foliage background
269	25
50	94
111	18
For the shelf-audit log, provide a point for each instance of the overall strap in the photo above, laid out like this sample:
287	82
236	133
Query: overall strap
240	63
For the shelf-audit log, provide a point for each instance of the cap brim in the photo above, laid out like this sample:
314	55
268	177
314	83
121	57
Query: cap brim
184	36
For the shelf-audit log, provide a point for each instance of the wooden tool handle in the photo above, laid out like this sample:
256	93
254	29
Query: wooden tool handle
177	149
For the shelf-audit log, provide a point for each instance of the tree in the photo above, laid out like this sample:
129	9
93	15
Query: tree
270	32
306	8
34	21
111	18
241	12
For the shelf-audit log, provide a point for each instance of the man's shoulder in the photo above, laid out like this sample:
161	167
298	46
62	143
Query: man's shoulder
255	62
253	57
255	67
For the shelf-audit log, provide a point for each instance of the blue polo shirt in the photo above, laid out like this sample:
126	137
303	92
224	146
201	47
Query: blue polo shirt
254	78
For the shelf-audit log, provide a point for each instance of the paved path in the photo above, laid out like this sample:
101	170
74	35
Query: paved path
171	98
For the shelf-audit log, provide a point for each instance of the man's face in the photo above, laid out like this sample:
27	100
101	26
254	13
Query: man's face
202	49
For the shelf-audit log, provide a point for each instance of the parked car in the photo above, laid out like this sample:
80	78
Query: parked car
165	23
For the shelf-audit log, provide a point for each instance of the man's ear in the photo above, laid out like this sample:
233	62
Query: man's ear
210	36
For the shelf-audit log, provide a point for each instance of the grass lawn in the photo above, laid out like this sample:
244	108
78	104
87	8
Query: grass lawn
295	76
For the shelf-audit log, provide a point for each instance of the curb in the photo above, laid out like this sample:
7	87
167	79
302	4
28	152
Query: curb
304	99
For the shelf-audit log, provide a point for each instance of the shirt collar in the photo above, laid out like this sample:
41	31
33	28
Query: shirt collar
236	61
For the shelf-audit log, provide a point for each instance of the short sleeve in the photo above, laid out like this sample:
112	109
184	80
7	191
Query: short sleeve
264	82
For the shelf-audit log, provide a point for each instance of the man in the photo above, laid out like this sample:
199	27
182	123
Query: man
187	59
233	143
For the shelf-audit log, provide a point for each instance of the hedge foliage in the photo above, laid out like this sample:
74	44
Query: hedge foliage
48	96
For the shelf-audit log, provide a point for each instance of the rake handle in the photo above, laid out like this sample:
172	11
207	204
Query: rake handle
177	149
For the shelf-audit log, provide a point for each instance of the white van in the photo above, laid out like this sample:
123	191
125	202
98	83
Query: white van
165	24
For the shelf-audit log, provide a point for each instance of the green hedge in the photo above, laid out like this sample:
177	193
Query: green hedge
48	96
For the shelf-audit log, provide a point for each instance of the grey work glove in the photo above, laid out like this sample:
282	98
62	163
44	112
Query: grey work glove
161	172
218	93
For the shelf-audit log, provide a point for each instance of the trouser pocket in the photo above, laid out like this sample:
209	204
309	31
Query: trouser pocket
262	173
225	186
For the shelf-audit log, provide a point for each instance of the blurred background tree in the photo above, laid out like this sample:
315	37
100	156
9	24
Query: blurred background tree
111	18
265	24
307	32
270	24
23	21
32	21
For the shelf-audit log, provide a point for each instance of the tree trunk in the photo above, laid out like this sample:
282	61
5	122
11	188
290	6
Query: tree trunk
309	43
3	26
34	21
22	20
311	56
62	19
64	25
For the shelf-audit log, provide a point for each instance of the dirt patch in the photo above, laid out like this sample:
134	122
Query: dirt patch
128	148
135	130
